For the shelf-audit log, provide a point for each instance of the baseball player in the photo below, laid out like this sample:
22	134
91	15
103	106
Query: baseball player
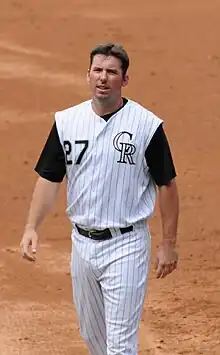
115	156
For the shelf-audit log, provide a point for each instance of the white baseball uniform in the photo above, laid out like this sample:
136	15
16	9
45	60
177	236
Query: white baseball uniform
109	187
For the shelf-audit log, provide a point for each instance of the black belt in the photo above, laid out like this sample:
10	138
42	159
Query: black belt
103	234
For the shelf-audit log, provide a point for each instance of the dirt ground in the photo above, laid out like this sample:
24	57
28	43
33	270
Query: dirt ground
175	72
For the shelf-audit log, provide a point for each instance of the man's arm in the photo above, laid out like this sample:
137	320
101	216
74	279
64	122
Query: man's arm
51	169
167	257
169	210
160	162
43	199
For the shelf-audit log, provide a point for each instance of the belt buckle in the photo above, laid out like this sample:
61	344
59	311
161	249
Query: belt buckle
89	233
95	232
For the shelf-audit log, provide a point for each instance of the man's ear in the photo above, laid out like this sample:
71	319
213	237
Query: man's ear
88	76
125	80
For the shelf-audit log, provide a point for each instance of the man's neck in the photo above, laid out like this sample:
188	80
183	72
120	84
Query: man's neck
102	107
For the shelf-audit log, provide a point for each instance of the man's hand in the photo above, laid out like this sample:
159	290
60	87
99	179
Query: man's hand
43	199
166	261
28	244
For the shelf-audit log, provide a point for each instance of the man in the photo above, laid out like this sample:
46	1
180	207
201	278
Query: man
113	153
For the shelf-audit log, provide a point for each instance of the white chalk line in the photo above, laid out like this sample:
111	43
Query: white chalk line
22	70
17	48
8	116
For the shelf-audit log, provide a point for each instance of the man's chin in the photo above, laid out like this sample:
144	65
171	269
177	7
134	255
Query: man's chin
103	97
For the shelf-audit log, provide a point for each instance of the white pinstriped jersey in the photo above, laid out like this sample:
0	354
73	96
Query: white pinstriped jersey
108	180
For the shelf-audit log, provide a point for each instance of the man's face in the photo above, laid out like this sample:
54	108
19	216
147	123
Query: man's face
106	77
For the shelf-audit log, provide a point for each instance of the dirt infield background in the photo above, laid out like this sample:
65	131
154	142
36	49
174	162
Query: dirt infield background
175	72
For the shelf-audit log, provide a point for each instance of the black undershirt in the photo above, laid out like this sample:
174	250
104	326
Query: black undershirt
52	166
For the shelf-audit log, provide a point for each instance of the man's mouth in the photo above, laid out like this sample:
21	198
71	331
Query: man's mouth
102	87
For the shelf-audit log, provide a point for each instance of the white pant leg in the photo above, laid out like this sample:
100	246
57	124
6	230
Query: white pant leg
89	304
124	288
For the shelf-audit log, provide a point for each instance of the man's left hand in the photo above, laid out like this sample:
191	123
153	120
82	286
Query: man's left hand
166	261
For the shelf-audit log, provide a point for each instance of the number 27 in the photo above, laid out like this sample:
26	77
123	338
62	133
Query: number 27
68	151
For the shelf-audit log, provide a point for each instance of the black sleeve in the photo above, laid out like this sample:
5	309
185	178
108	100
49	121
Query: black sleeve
51	164
159	158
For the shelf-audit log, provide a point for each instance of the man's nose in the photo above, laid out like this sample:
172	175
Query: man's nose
103	76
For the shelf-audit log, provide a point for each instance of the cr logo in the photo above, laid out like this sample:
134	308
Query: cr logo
126	149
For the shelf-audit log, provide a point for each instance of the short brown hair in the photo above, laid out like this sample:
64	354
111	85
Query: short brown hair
114	50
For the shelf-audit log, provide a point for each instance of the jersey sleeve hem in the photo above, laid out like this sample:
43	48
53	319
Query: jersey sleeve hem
166	181
48	176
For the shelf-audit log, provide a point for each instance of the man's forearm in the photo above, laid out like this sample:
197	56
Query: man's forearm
43	198
169	209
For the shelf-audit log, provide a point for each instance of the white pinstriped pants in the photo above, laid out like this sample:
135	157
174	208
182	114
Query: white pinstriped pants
109	286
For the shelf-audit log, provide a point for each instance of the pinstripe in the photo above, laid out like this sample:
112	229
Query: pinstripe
77	292
97	312
113	179
145	177
89	305
105	258
101	166
121	303
91	131
138	169
119	186
109	278
122	192
98	188
110	164
135	198
110	309
145	198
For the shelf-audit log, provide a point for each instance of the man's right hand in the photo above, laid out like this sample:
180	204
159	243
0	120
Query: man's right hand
28	245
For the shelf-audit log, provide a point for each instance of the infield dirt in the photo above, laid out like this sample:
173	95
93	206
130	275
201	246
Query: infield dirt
175	72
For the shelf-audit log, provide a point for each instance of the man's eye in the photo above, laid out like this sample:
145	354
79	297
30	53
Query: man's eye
97	69
112	72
